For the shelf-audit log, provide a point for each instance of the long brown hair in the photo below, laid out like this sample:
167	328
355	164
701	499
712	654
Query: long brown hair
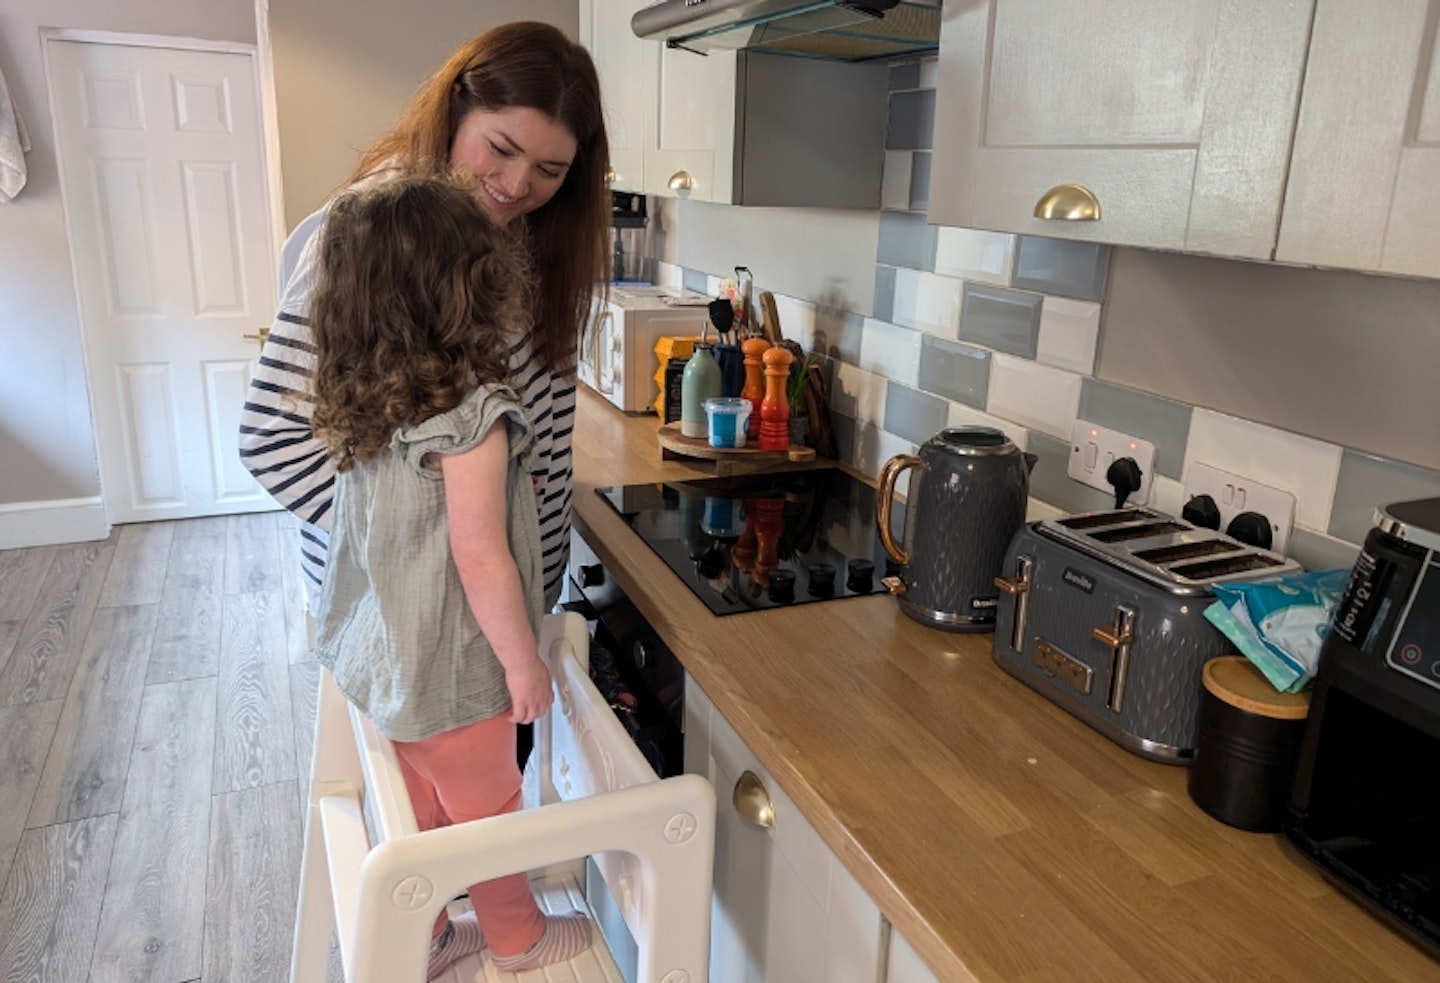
419	299
533	65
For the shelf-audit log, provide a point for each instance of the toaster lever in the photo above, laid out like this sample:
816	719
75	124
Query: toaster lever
1013	587
1117	637
1018	587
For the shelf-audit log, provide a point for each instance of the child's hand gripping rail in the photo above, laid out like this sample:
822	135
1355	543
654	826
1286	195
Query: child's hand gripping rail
654	839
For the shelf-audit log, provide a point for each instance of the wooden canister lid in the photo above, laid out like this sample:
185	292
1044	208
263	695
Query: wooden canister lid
1236	680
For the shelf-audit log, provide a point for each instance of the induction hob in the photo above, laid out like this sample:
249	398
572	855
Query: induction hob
760	541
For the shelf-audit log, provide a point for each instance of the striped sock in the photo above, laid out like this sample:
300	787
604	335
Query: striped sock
565	937
456	940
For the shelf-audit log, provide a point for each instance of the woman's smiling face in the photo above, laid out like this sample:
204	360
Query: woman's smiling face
518	158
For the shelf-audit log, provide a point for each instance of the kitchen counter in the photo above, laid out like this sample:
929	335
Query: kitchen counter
1003	838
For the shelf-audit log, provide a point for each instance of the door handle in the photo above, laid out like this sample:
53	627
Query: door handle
752	800
259	336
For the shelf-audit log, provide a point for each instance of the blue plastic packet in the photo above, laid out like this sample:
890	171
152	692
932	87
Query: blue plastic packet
1279	624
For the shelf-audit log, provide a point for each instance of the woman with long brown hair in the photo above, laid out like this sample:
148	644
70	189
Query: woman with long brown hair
516	111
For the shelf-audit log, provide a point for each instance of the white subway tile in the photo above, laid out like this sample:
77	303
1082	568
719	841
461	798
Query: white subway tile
961	415
1037	396
927	302
1036	511
890	350
1167	495
895	179
1303	466
1069	330
929	73
669	275
974	255
797	319
874	446
858	394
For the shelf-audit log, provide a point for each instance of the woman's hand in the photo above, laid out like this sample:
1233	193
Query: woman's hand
530	692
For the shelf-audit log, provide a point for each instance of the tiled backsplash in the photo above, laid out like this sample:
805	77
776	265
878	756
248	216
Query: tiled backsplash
972	327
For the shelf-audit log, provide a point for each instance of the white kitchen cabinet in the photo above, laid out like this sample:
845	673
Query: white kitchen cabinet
904	965
785	908
1364	188
1178	116
627	69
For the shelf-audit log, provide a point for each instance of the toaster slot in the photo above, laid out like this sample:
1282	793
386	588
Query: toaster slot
1225	566
1186	551
1145	530
1092	520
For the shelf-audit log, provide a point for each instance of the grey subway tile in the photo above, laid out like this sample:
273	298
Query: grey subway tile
906	240
1163	422
884	293
1316	552
955	371
920	181
695	280
1367	481
1050	481
914	415
1061	267
1006	320
905	75
912	120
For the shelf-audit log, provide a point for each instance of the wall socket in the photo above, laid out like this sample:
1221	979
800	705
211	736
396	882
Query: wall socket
1235	493
1093	449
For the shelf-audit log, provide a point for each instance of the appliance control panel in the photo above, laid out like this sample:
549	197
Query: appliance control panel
1416	649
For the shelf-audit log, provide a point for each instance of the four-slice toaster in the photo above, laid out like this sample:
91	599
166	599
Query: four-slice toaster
1103	613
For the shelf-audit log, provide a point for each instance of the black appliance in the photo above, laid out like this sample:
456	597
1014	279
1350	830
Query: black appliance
760	541
628	224
1365	802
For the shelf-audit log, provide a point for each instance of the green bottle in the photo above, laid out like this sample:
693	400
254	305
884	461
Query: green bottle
699	382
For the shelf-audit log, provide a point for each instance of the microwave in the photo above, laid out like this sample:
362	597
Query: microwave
617	349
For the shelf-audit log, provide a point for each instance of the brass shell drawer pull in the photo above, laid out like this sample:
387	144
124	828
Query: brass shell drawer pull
1068	203
752	801
681	181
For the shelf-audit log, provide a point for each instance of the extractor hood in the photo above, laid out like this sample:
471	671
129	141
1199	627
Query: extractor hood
836	30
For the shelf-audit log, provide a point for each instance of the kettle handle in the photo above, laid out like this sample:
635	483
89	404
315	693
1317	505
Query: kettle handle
885	498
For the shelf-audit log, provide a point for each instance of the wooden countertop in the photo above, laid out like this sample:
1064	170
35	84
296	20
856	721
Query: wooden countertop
1003	838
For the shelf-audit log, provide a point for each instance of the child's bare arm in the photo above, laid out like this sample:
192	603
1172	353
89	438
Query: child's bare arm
475	503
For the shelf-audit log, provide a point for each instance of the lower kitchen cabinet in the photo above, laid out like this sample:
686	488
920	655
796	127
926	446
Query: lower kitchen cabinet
903	965
784	907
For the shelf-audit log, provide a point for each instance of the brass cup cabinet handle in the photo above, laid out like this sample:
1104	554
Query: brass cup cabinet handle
752	801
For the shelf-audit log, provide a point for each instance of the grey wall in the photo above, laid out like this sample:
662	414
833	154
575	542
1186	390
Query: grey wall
1345	357
47	447
345	68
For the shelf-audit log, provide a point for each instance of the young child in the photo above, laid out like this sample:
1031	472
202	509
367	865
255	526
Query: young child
433	590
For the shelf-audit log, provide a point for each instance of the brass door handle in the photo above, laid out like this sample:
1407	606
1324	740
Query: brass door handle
1068	203
752	801
259	336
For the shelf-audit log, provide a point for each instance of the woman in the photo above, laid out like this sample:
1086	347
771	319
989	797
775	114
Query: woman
517	110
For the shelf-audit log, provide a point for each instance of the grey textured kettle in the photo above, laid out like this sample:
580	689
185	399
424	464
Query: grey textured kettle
967	499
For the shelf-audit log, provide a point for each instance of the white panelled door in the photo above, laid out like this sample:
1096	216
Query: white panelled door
167	209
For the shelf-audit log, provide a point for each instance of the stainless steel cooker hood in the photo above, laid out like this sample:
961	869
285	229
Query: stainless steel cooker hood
836	30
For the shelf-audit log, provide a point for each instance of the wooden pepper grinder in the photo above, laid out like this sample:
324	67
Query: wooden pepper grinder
774	409
754	389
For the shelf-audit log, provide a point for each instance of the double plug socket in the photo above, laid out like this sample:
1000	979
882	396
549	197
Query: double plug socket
1235	493
1094	448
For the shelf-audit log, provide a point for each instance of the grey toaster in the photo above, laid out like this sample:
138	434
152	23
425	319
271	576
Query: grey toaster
1102	613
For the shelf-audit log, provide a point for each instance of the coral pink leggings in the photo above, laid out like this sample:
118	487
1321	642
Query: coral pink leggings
470	773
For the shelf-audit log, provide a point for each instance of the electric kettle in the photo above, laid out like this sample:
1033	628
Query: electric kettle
968	494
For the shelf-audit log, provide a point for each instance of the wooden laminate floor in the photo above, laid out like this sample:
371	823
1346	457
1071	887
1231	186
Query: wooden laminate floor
156	700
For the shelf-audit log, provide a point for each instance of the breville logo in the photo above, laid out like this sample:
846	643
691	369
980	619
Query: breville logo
984	602
1075	578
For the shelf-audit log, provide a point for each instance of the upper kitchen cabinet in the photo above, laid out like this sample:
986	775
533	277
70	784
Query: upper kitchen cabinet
1364	189
626	66
1177	116
737	127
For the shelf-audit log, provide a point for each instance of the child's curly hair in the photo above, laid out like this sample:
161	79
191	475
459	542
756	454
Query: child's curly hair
419	300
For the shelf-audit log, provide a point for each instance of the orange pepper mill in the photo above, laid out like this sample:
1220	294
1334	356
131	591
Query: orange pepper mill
754	390
774	408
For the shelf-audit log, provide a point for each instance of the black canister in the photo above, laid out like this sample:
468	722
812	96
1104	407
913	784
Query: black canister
1245	752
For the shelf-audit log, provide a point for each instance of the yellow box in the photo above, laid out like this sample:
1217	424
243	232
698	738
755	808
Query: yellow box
666	348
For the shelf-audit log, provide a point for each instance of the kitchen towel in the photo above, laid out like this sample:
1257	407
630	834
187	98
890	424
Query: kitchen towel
14	144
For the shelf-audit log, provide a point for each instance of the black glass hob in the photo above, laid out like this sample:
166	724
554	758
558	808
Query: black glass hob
759	541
